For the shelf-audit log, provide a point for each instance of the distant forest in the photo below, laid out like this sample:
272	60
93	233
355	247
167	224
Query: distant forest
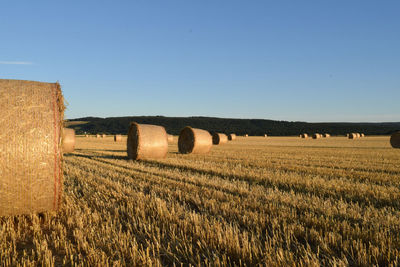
256	127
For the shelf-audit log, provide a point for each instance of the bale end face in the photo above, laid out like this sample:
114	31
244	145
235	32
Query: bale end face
219	138
146	141
196	141
231	137
395	140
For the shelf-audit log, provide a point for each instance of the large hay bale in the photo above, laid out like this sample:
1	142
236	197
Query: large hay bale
170	138
395	140
31	175
68	140
196	141
219	138
117	138
231	137
316	136
146	141
353	136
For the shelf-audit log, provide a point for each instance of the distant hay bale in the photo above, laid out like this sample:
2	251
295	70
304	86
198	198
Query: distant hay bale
170	138
353	136
31	173
117	138
146	141
246	135
265	135
86	135
196	141
103	136
231	137
362	135
358	135
326	135
395	140
316	136
97	136
219	138
68	140
304	135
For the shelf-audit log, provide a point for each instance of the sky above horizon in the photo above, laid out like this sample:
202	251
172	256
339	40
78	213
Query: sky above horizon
315	61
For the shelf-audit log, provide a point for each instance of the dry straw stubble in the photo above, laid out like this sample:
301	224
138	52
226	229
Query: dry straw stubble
146	141
196	141
30	149
219	138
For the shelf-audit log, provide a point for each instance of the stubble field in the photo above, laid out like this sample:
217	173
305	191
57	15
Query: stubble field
276	201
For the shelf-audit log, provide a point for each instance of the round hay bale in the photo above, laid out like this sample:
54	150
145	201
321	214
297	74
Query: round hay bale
265	135
395	140
219	138
170	138
353	135
358	135
146	141
68	140
97	136
246	135
117	138
327	135
362	135
196	141
103	136
304	135
31	174
231	137
316	136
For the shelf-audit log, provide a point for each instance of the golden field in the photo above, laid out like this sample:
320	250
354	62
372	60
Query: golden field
276	201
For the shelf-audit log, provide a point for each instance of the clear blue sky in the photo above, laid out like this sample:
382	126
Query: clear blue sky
333	60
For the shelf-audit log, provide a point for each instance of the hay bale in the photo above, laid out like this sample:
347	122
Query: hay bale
31	174
358	135
97	136
362	135
68	140
304	135
353	136
103	136
231	137
316	136
117	138
170	138
196	141
146	141
246	135
395	140
326	135
265	135
219	138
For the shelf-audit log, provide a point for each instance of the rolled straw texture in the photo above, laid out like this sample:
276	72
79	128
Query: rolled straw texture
146	141
316	136
231	136
395	140
31	121
117	138
170	138
196	141
68	140
353	135
219	138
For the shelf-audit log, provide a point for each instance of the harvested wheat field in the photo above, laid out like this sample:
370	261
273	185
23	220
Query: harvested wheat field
279	202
